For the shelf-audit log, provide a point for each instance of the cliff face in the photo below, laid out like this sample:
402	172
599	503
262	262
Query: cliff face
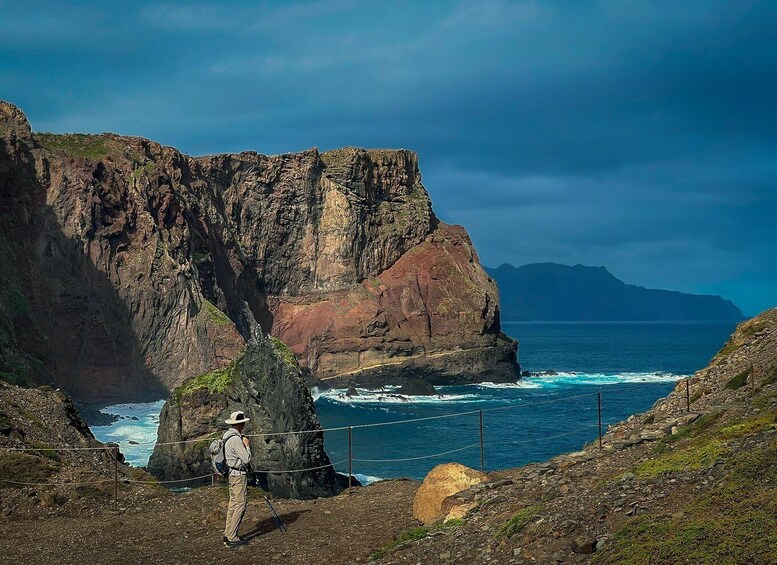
128	267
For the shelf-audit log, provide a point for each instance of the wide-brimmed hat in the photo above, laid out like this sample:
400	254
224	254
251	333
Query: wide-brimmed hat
236	418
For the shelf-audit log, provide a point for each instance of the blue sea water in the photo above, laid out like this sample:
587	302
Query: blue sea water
135	430
632	364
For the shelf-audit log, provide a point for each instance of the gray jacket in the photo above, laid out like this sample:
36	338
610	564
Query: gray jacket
238	456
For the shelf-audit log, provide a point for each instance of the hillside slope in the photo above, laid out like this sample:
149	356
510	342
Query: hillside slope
670	486
552	292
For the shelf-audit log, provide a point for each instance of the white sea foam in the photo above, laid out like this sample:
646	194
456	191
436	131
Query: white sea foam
565	379
387	395
366	479
525	383
141	431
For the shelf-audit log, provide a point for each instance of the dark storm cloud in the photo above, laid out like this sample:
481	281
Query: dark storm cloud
637	135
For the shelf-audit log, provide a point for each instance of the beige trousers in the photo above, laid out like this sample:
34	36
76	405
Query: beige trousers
238	500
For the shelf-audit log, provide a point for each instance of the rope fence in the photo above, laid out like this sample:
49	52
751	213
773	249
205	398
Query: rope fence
114	449
416	458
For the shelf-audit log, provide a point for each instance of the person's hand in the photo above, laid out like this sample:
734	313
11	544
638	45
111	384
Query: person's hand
245	441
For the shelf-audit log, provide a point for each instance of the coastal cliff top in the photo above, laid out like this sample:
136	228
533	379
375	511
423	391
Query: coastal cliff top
670	485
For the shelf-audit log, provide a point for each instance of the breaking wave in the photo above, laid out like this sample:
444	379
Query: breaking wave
135	430
388	395
486	391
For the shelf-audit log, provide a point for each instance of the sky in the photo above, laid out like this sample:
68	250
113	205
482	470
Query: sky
637	135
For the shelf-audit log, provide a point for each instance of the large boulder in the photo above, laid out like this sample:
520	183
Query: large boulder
441	482
417	387
270	390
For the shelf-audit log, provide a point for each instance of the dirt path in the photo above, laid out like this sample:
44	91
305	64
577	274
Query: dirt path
187	528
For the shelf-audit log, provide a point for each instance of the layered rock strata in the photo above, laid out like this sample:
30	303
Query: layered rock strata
128	267
273	395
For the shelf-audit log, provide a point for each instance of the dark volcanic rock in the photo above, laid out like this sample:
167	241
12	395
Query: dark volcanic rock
94	417
128	267
273	394
417	387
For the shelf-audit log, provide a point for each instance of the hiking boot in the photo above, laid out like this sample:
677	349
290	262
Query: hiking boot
234	544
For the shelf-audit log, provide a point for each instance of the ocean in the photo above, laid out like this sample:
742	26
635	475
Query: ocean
631	364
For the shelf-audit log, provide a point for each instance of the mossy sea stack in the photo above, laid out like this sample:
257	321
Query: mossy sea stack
268	387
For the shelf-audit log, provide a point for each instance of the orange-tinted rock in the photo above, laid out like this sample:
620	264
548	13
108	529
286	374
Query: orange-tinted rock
439	484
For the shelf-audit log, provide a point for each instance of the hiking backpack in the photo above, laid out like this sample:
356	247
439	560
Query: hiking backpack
218	457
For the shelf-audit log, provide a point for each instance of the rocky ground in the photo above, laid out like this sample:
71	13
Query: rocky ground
187	528
669	486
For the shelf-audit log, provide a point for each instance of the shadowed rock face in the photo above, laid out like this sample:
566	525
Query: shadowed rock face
273	395
138	267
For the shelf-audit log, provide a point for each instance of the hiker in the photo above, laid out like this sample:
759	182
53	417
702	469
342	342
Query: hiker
237	452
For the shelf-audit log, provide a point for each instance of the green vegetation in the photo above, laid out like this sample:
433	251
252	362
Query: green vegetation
76	144
216	381
698	427
518	522
765	399
739	380
744	331
417	193
20	371
11	378
734	519
750	426
17	303
44	450
727	349
199	256
771	378
145	169
282	350
701	457
214	314
415	534
24	468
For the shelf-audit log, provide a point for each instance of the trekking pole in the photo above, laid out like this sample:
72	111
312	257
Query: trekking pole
278	522
482	453
599	403
350	457
116	475
687	395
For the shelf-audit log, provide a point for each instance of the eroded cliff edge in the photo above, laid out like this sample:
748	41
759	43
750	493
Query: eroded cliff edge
128	267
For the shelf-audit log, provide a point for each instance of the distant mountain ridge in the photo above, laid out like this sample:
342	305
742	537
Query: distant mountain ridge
554	292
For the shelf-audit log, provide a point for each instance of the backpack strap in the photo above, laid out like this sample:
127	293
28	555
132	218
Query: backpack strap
229	434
